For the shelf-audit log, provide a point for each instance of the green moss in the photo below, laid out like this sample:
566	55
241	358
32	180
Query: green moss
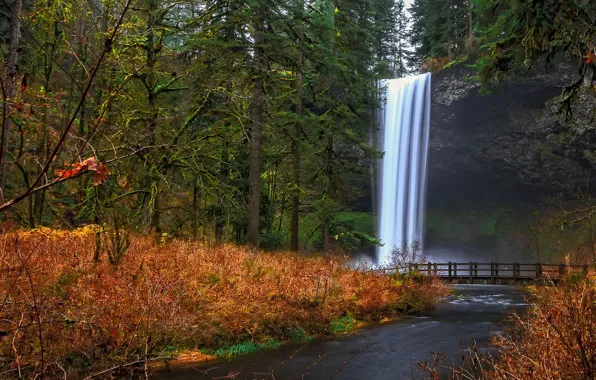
243	348
561	138
455	62
590	155
472	79
343	325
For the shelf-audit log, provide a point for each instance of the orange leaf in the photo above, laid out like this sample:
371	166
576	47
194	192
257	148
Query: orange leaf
590	58
100	171
74	170
99	175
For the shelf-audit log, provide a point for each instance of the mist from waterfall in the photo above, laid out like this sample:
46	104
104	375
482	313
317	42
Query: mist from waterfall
403	137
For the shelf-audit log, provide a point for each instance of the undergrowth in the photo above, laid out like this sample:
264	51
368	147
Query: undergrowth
343	324
243	348
62	313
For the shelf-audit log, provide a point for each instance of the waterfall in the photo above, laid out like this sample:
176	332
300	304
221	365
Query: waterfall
403	137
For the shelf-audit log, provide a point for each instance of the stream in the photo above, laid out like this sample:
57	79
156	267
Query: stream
472	313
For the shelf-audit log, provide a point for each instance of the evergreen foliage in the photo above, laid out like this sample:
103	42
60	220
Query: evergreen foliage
506	37
196	103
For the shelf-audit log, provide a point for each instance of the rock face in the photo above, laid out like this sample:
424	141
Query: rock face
509	145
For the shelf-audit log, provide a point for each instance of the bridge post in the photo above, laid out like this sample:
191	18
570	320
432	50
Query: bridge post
496	272
436	270
455	270
538	271
471	273
429	270
514	272
561	271
492	272
476	270
449	271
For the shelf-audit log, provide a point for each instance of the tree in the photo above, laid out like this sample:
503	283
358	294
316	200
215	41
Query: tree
440	28
217	119
297	137
257	113
8	89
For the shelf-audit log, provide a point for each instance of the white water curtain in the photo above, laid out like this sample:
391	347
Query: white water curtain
404	131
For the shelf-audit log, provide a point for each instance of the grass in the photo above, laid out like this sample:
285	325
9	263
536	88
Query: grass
244	348
343	325
61	312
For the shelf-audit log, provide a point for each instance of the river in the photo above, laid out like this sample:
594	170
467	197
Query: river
383	351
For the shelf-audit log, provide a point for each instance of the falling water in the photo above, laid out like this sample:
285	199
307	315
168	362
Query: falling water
405	123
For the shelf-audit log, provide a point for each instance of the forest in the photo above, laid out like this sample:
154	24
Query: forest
190	178
219	121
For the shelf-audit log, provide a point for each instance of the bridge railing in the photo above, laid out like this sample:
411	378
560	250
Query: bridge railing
493	270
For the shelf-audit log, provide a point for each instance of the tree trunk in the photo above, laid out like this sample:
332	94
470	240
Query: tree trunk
221	209
81	32
592	248
219	232
256	121
195	209
328	161
15	36
151	84
470	19
295	215
330	192
44	147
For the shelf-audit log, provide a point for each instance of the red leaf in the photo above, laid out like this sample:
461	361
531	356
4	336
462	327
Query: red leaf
590	58
99	175
100	171
74	170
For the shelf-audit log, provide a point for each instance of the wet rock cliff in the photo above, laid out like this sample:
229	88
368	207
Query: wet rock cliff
495	158
511	144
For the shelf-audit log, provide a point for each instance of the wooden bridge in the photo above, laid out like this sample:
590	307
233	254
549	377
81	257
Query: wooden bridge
493	273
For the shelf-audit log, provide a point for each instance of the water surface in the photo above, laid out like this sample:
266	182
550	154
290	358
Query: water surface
473	313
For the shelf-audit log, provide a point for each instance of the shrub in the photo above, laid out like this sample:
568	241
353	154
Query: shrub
271	241
343	324
63	311
404	254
